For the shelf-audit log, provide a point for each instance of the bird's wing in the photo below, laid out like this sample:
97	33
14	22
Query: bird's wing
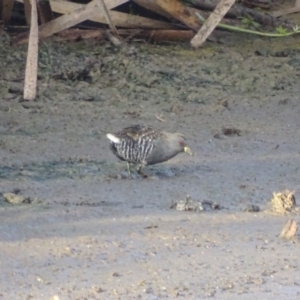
136	132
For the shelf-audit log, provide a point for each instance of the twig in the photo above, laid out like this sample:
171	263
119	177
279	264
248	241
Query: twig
82	13
159	118
108	19
32	56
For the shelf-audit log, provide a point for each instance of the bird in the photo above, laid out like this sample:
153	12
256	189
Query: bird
143	145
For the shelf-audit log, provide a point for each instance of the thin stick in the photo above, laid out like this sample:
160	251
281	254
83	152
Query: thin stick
109	19
30	83
212	22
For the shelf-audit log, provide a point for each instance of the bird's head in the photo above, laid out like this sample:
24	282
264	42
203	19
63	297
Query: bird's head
181	144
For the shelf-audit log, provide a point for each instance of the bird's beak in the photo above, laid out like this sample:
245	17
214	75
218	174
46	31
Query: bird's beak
187	150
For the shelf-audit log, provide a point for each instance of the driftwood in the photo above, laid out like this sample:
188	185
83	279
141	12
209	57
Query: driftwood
211	23
119	18
66	21
30	83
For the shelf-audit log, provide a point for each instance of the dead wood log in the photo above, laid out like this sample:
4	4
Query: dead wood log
66	21
30	83
120	19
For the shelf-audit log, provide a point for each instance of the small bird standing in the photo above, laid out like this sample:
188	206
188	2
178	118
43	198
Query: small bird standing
143	145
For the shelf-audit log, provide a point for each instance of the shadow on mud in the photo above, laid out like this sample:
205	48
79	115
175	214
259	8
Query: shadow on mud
54	170
74	169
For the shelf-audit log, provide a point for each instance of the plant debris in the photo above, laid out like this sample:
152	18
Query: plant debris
16	197
283	202
289	230
189	204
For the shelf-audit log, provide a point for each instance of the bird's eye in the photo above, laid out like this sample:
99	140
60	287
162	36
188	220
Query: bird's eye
181	143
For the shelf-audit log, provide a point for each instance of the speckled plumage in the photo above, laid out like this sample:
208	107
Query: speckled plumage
144	145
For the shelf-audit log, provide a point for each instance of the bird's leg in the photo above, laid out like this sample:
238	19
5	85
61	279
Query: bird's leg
129	169
139	170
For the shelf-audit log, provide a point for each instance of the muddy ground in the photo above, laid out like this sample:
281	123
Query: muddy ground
92	233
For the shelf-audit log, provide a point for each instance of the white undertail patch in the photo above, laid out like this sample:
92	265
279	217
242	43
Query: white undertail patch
113	138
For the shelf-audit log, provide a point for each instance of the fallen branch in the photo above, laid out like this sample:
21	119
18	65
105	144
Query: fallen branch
66	21
108	19
211	23
119	18
30	83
